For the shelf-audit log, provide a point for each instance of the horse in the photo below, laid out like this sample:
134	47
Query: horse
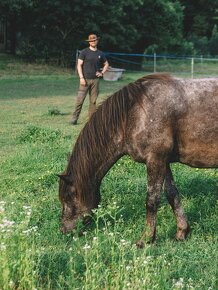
156	120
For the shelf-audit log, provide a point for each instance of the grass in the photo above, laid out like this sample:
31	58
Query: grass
35	139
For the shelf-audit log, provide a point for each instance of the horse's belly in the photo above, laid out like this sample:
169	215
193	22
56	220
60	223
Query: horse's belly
197	137
199	155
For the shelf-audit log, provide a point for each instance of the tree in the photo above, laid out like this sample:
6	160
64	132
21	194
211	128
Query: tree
57	28
213	43
200	16
11	10
159	24
60	27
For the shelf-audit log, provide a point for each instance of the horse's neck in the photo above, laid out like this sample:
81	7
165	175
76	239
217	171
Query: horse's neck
105	161
104	166
89	166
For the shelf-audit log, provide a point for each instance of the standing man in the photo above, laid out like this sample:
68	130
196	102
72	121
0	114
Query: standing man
90	62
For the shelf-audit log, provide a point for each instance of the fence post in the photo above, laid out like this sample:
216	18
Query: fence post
201	64
192	67
154	62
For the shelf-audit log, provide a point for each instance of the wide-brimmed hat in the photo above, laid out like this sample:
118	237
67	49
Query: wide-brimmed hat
92	37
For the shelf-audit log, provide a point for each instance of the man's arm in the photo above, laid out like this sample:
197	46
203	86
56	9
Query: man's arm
105	67
80	71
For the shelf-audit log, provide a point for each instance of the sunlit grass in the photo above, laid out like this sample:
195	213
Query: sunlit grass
35	255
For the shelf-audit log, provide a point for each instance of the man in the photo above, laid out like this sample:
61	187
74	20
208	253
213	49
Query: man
90	62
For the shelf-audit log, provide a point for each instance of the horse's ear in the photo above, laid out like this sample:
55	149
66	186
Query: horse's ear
65	177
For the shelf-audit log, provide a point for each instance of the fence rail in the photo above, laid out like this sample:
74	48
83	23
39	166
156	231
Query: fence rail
193	66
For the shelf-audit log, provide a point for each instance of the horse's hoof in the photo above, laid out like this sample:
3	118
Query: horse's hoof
181	235
63	230
140	244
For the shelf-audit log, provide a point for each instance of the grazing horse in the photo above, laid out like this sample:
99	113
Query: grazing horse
156	120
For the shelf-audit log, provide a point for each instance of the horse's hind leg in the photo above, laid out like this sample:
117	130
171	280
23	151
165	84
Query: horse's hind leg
174	200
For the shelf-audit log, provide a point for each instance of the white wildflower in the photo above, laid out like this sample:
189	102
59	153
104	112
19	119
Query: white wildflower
179	283
123	242
30	230
86	247
2	246
6	224
26	207
11	284
28	213
2	206
26	232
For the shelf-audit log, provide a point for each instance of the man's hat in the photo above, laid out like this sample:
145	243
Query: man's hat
92	37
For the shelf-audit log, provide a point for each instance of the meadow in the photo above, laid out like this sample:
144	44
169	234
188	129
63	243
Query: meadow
36	137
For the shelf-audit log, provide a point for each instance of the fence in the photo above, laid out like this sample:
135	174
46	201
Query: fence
178	65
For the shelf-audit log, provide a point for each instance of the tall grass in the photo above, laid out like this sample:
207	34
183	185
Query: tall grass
34	254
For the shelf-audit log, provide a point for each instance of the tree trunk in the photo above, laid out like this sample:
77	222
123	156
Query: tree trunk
13	32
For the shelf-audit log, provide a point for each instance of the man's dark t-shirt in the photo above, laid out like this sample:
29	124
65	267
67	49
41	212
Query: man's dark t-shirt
92	62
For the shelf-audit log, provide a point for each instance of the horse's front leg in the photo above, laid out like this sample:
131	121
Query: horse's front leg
172	194
156	171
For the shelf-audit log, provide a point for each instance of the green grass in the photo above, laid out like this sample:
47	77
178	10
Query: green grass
35	139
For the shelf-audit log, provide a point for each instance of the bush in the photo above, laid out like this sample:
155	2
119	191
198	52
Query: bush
27	51
33	134
54	112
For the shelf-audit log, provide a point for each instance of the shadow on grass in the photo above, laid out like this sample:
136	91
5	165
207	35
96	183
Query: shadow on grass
198	196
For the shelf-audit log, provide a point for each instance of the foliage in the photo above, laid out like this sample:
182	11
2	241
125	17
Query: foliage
34	134
14	6
54	111
54	30
213	43
199	17
162	28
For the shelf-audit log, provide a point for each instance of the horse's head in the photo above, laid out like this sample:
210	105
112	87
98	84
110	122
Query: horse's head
72	207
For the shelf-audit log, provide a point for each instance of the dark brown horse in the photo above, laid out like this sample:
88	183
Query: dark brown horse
156	120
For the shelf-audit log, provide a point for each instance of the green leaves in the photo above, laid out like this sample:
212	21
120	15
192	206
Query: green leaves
56	29
33	134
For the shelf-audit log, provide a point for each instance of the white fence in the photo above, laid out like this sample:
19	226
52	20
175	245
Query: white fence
178	65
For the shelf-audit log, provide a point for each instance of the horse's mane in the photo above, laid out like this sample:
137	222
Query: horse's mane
109	119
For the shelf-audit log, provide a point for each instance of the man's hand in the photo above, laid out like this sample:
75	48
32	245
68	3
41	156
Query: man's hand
99	74
82	82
